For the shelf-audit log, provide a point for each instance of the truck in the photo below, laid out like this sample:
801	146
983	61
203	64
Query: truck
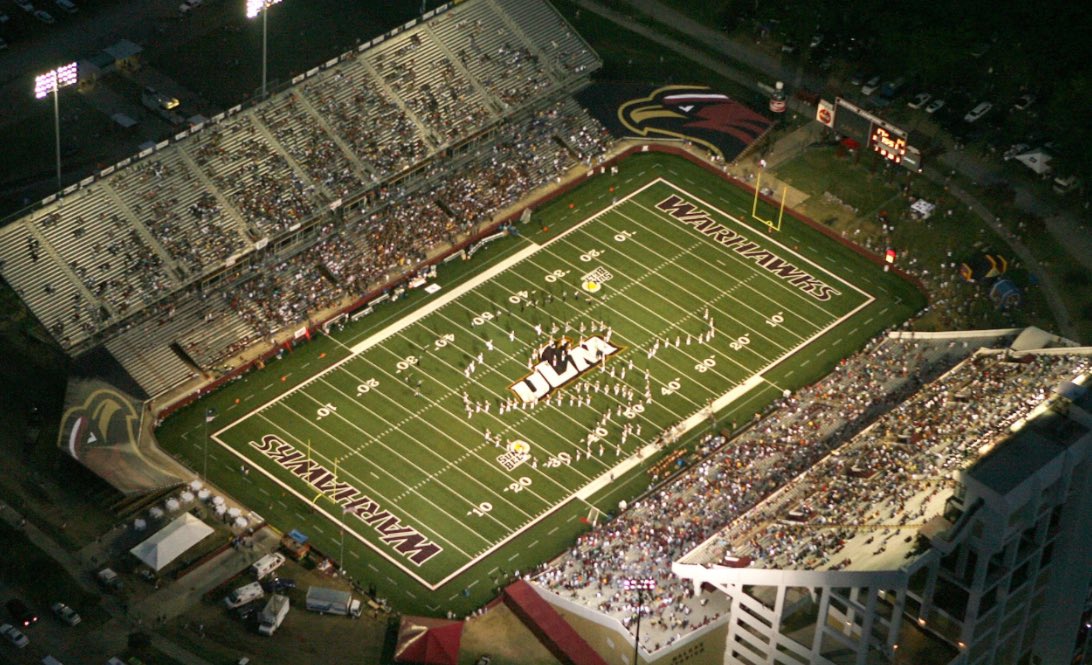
332	601
109	579
273	615
267	564
163	105
244	595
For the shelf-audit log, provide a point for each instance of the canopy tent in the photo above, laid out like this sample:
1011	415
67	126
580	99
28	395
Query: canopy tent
167	544
1037	160
428	641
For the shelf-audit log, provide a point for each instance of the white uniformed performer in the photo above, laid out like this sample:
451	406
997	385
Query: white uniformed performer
488	345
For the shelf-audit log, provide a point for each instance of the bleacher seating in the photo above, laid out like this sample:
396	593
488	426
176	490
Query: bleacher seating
165	195
104	260
443	99
386	138
307	142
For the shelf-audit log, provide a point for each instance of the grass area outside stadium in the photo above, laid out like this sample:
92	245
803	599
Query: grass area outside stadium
411	444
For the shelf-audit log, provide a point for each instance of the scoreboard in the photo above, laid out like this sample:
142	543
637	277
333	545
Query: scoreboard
880	136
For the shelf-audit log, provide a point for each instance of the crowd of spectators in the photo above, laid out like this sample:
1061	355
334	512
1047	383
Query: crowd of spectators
385	137
196	235
310	146
887	476
350	258
685	512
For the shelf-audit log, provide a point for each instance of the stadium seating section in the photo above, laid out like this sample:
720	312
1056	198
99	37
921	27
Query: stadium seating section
180	259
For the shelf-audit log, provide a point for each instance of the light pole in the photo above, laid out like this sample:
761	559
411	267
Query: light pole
640	585
51	82
210	415
253	8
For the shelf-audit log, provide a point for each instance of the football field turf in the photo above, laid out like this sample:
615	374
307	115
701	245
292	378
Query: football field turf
516	397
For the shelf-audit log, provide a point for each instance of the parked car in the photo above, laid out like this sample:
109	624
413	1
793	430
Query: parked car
189	5
13	635
67	6
20	613
25	5
44	16
934	106
816	40
870	86
919	100
1024	102
65	614
4	18
3	44
977	112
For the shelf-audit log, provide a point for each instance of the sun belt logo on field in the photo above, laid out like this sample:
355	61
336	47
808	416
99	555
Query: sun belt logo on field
593	281
561	363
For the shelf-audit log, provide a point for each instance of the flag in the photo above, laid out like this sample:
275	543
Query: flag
210	415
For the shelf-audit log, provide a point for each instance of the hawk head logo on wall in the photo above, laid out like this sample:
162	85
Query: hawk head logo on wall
697	114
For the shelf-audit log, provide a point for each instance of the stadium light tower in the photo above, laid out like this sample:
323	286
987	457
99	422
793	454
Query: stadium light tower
51	82
640	585
253	8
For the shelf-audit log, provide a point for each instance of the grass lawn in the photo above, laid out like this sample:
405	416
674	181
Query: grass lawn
368	433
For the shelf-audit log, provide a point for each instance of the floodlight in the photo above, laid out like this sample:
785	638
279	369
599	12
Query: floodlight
48	83
254	7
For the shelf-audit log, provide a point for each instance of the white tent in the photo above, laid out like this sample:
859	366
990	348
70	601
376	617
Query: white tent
1036	160
165	545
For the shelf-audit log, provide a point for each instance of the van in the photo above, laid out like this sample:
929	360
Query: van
1066	185
67	6
244	595
50	660
267	564
977	112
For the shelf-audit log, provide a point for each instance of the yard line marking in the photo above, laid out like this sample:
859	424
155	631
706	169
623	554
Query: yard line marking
263	490
752	273
663	360
371	490
354	554
532	545
679	286
657	315
735	260
513	557
750	234
552	531
416	315
373	567
429	424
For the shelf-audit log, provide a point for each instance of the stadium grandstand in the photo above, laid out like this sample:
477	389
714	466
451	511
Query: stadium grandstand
893	512
186	254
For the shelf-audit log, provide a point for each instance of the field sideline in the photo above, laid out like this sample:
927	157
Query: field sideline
675	313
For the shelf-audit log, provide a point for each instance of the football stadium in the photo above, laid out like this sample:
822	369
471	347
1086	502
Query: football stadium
429	320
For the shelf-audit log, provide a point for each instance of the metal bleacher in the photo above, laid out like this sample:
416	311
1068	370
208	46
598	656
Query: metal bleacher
417	69
45	284
105	251
563	49
123	258
498	58
302	136
253	176
165	195
386	138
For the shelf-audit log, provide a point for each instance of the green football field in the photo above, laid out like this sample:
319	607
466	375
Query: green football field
447	440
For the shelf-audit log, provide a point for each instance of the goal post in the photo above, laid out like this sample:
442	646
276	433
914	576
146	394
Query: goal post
774	225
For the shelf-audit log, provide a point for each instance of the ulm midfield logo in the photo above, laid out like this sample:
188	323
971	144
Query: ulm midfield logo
561	363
